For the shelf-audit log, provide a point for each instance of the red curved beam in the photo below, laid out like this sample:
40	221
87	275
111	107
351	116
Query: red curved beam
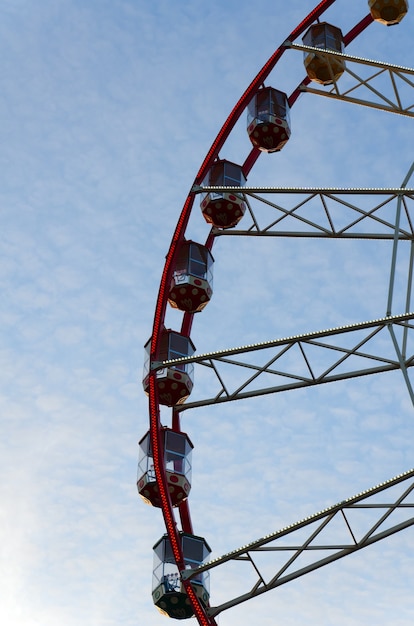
162	299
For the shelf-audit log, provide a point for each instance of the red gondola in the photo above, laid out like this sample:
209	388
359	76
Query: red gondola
192	281
177	456
174	382
268	123
224	209
322	69
388	12
168	592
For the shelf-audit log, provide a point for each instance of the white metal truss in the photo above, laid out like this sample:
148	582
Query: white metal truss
319	539
375	84
358	213
354	350
305	360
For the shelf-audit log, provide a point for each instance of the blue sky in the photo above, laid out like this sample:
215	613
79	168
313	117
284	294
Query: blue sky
107	109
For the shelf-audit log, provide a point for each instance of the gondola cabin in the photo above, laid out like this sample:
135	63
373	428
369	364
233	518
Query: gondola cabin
388	12
324	69
174	382
168	592
223	209
192	281
268	120
177	459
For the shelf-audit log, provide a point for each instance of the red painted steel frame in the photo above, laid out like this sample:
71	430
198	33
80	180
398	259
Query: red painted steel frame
161	305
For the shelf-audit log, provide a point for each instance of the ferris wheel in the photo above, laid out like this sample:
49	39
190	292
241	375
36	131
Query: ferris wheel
222	200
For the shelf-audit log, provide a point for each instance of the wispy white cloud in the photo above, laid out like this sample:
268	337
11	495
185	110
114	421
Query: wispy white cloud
106	112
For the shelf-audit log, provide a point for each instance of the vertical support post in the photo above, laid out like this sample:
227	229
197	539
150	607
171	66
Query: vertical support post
395	248
394	257
401	350
408	298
